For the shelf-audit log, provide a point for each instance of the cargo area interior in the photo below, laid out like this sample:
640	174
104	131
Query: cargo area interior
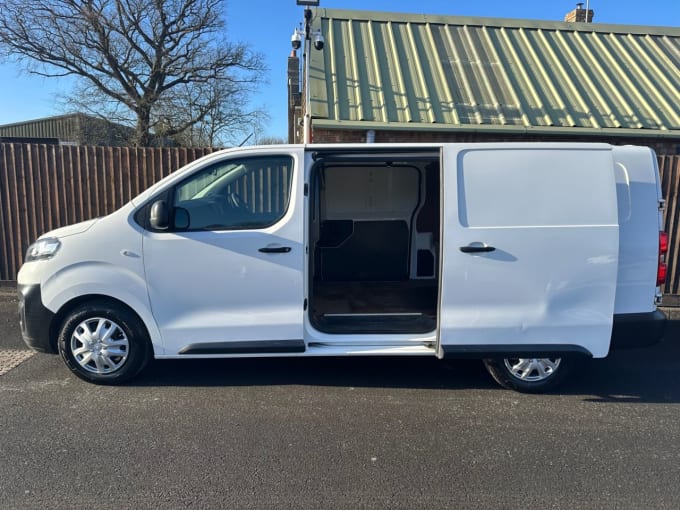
374	243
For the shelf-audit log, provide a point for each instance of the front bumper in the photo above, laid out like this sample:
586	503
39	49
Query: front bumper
35	320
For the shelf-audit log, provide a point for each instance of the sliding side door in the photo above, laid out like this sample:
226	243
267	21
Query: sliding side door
530	248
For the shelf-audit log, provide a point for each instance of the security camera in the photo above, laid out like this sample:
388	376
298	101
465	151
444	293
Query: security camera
296	40
318	40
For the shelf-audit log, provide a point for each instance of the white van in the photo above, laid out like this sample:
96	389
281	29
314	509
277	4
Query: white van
525	255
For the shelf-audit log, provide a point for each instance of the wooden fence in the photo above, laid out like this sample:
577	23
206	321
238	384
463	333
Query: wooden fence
669	168
43	187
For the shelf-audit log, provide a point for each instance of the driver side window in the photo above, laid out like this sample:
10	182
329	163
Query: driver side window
234	194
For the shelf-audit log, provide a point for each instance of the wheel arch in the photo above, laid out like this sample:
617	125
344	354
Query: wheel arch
77	283
65	309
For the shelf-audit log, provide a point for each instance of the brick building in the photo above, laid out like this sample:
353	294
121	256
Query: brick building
405	77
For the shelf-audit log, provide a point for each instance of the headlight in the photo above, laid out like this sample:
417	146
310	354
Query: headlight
43	249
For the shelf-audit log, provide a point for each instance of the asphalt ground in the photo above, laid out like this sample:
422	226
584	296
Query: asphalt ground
339	433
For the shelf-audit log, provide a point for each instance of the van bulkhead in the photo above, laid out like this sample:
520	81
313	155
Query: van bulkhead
525	255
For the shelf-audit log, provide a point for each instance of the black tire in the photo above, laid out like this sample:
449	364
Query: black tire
117	355
533	382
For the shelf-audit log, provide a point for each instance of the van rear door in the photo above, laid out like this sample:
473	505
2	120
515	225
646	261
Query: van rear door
530	249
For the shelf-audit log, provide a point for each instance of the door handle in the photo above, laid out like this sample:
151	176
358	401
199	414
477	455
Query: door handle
275	249
477	248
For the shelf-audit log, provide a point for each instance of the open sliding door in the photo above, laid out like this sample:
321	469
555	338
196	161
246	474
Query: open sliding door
529	249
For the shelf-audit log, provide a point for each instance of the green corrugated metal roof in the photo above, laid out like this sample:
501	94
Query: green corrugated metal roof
65	127
77	128
396	71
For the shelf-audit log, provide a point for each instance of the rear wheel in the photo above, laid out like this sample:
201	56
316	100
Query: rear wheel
529	375
104	342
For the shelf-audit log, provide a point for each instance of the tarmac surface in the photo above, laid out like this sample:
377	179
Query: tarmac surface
338	433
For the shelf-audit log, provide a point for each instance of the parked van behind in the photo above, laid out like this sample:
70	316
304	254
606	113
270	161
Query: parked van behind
526	255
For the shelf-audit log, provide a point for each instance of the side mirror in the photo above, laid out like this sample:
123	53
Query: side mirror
159	218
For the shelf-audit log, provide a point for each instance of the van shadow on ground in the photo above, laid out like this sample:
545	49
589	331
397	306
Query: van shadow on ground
631	376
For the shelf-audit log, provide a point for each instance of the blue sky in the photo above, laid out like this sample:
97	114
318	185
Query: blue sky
267	25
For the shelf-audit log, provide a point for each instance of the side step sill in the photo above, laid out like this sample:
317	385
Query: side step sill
363	349
254	347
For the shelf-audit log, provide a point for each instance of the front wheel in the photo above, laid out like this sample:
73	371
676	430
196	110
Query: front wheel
104	342
529	375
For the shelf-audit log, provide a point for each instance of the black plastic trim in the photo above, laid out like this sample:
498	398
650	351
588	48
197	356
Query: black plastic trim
34	319
515	351
633	330
382	154
252	347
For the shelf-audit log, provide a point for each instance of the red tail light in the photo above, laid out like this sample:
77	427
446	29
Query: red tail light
663	243
662	269
661	274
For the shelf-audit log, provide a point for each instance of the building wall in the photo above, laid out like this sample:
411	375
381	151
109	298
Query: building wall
662	147
294	98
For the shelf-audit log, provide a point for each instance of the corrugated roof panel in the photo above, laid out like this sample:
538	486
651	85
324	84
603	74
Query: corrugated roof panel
588	91
418	101
659	97
393	82
454	76
444	72
376	97
616	97
487	87
426	75
506	84
508	66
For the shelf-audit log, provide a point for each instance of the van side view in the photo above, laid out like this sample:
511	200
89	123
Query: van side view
529	256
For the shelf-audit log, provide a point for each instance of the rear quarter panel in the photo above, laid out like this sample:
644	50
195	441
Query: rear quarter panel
638	194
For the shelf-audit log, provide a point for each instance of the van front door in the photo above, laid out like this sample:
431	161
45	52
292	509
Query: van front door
227	276
530	249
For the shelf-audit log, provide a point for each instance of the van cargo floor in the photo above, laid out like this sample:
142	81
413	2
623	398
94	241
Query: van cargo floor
375	307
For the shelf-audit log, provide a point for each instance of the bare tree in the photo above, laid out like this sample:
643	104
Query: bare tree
138	57
270	140
224	124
